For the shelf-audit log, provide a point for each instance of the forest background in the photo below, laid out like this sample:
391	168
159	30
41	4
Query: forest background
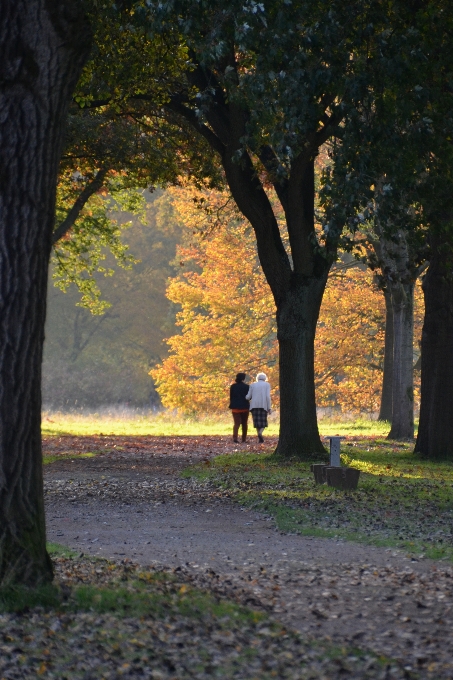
192	308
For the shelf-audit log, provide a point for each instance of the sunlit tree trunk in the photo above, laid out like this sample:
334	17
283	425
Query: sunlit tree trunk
43	45
385	412
398	277
403	372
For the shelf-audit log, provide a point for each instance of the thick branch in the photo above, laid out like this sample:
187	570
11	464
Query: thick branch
269	159
254	204
226	127
213	140
78	206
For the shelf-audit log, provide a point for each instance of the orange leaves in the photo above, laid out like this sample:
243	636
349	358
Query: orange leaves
350	342
227	314
227	320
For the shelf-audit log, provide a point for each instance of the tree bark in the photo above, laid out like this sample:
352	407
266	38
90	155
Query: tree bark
297	317
403	361
435	432
43	45
395	261
385	412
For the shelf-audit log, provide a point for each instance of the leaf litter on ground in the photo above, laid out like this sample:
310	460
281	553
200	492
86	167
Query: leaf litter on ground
418	606
118	620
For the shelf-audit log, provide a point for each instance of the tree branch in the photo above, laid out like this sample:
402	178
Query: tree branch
213	140
90	189
269	159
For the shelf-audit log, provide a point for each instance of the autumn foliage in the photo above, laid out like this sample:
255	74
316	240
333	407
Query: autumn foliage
227	319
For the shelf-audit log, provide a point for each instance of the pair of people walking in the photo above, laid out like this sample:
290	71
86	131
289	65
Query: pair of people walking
254	398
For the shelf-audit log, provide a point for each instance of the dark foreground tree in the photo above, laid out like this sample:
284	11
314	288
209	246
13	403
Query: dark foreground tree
436	428
43	45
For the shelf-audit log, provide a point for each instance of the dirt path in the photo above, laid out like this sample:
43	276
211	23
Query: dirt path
131	502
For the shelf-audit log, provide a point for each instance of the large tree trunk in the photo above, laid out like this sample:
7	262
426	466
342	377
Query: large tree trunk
43	45
297	316
435	432
385	412
403	360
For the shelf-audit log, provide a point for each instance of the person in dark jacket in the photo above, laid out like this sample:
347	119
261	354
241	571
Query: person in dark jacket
239	406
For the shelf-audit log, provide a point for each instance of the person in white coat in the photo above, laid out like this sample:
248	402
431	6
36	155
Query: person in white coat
259	395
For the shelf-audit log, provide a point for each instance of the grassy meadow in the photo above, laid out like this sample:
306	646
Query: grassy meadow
165	423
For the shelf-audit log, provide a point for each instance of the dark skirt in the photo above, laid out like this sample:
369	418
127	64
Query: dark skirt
259	416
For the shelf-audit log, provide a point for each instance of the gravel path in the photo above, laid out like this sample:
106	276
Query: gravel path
132	503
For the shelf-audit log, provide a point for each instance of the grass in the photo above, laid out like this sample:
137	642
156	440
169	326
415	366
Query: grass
402	501
58	550
50	458
21	598
157	424
168	424
141	594
137	599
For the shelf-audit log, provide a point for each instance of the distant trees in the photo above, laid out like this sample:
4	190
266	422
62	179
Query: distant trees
227	315
104	359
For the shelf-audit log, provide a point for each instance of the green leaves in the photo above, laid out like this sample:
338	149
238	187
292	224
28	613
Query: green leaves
82	252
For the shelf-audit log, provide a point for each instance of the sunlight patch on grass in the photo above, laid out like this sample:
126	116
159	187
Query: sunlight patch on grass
166	423
52	458
159	425
358	427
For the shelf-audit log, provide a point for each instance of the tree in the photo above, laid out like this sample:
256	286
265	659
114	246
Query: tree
43	46
111	154
435	433
400	268
371	183
227	309
395	170
266	86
